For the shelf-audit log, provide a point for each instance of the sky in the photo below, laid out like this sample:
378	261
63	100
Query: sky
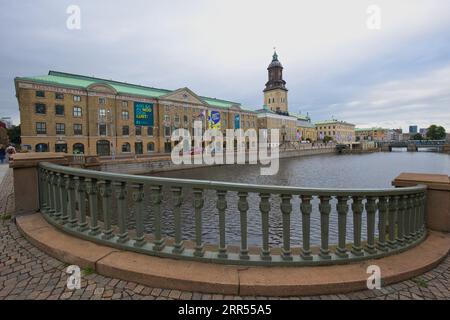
336	64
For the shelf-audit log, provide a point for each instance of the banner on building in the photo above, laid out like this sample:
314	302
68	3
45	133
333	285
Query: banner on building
214	120
237	121
143	114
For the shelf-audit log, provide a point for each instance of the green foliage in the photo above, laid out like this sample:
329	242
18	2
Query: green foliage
327	139
87	271
14	135
417	136
436	132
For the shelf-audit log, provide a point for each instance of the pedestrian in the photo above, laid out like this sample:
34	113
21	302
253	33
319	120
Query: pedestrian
2	154
10	151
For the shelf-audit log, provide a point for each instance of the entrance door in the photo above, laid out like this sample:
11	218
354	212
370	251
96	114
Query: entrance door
138	149
61	147
103	148
167	147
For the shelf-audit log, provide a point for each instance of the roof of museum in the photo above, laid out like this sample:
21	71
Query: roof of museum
83	82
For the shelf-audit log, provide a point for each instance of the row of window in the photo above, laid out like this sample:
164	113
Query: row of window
41	108
41	128
58	96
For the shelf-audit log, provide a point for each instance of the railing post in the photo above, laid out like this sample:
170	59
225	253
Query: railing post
306	209
46	177
401	220
393	207
325	209
91	189
243	208
104	187
382	210
81	191
199	251
371	208
423	212
264	207
120	189
62	198
415	222
51	177
56	186
357	208
138	197
177	201
342	209
155	196
407	220
40	172
70	186
286	209
221	207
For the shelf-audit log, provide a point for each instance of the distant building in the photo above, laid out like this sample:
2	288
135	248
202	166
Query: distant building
372	134
423	131
405	136
413	129
394	134
339	131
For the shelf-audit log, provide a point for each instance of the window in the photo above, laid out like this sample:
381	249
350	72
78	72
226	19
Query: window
40	108
150	131
40	94
167	131
76	98
150	146
41	128
76	111
77	129
138	130
59	96
126	147
125	104
177	118
59	110
42	147
125	115
102	129
102	113
60	128
101	100
166	118
185	119
125	130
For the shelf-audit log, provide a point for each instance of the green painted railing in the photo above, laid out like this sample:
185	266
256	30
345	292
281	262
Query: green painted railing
69	199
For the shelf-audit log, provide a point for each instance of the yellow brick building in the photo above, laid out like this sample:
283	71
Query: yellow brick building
340	131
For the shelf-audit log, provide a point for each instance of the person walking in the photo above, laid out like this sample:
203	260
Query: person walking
2	154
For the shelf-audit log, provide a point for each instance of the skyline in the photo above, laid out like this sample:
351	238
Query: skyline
339	68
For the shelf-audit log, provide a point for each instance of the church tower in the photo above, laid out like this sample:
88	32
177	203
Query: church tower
275	93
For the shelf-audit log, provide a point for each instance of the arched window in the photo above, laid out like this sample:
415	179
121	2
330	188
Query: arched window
150	147
78	148
126	147
41	147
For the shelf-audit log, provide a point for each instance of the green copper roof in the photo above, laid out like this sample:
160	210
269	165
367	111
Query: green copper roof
332	122
82	82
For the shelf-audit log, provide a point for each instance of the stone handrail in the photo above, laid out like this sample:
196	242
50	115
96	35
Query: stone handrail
69	198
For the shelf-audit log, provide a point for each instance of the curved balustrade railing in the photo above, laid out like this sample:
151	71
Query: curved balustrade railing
69	199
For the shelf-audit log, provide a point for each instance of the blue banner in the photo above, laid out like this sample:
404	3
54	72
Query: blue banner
143	114
237	121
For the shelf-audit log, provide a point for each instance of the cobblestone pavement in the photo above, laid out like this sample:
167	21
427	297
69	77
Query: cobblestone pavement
28	273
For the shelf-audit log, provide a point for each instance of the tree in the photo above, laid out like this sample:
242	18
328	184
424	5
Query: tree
417	136
14	135
327	139
436	132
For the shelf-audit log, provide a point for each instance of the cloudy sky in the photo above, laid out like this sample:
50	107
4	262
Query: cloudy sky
335	66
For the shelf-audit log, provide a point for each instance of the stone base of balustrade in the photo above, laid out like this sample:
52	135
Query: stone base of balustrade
231	279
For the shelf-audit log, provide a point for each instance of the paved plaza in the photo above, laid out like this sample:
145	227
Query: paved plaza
28	273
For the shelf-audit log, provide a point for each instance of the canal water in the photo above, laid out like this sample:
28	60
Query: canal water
372	170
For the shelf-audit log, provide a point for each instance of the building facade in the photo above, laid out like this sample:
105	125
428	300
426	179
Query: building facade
339	131
372	134
70	113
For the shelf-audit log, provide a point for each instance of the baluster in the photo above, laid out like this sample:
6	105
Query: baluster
91	189
415	220
382	211
155	197
48	184
177	201
64	201
104	188
221	207
407	220
286	209
357	208
121	193
51	178
199	251
325	209
81	192
56	181
306	209
243	207
264	207
401	220
46	203
423	211
393	207
371	208
40	188
342	209
70	186
138	197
